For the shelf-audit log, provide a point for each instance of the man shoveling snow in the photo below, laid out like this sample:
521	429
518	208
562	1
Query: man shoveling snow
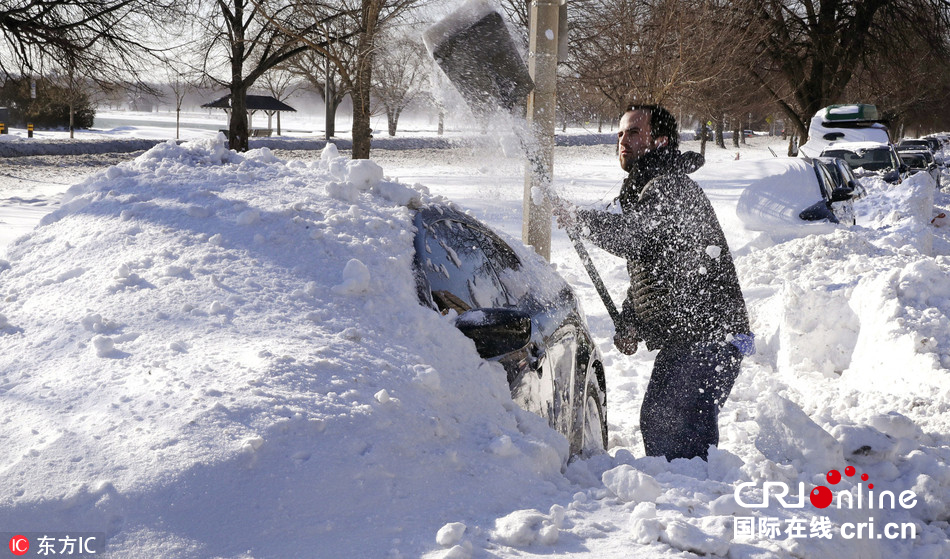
684	296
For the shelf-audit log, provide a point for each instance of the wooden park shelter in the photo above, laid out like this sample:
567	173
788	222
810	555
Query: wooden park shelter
265	103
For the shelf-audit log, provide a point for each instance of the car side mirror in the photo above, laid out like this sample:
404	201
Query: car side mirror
818	212
842	194
495	331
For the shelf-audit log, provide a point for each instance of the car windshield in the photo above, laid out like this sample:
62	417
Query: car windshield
462	265
913	160
869	159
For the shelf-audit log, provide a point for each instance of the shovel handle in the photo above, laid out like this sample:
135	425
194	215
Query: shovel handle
574	235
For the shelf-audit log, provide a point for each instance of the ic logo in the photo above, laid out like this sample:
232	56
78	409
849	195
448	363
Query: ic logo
19	545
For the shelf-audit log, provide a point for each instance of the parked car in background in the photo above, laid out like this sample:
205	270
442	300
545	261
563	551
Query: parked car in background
520	313
844	123
935	144
918	160
930	145
944	139
780	198
869	158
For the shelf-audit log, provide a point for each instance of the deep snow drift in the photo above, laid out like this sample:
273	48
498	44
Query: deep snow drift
209	354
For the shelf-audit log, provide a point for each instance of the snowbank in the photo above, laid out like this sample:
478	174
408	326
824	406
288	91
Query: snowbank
15	145
204	353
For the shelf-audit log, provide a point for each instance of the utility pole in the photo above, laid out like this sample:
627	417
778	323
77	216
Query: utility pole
328	121
542	104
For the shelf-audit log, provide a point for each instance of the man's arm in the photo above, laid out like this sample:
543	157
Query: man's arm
614	233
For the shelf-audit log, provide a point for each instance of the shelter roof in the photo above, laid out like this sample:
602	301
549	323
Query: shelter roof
254	103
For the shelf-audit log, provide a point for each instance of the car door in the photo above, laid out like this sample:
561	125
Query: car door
463	262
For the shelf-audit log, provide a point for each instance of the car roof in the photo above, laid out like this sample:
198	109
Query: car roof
856	146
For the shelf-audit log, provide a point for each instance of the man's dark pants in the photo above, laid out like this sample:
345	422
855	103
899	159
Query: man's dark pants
679	417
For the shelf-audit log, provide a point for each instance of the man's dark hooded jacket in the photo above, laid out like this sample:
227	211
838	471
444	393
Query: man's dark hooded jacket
683	284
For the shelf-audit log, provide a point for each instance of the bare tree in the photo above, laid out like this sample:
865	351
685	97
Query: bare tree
181	82
909	84
281	83
346	25
400	76
630	50
812	49
251	37
323	77
98	39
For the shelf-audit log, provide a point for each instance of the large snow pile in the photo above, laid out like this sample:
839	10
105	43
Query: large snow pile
211	354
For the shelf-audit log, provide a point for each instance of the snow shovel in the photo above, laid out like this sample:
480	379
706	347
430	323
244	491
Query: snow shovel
573	234
475	50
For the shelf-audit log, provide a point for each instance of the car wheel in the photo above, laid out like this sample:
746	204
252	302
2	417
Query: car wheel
593	432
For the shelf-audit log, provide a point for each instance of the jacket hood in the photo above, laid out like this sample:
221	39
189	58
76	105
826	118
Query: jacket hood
665	161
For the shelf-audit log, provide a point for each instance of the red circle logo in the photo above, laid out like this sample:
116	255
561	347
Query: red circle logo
19	545
820	497
833	477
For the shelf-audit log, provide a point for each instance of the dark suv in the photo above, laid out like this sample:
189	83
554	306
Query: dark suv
867	158
519	312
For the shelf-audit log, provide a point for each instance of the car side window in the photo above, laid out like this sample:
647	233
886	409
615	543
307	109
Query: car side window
462	265
825	181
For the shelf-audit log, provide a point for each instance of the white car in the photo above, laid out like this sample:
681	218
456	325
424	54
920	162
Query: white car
844	123
775	199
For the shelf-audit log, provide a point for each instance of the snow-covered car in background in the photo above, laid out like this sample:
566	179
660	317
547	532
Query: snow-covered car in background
844	123
869	158
837	194
845	177
918	160
932	145
840	187
782	197
518	312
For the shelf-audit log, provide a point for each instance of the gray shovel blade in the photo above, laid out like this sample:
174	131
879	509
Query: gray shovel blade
480	58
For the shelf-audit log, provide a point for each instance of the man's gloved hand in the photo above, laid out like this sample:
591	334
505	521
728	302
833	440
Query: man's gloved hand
626	339
563	211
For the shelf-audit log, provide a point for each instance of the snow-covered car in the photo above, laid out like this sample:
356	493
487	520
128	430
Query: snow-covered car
931	145
869	158
845	177
782	197
836	204
518	312
918	160
844	123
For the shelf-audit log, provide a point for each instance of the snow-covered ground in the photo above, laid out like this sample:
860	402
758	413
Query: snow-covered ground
210	354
